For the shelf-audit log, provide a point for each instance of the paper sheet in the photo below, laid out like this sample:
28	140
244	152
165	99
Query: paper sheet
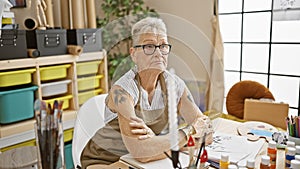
237	147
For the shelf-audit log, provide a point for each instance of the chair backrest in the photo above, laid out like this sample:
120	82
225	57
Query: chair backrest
90	118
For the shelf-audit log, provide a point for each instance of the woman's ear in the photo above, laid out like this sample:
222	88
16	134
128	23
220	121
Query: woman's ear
132	54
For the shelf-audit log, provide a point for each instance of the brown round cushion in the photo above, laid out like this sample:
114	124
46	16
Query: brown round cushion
242	90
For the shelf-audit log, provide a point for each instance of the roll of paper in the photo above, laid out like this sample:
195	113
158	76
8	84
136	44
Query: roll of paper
33	53
65	14
75	50
77	14
57	13
91	14
49	13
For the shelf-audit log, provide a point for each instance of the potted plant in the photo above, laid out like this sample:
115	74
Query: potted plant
119	16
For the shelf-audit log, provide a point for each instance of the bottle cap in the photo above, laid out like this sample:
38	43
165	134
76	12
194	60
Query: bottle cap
232	166
297	149
265	160
272	144
250	163
297	157
290	144
224	157
295	164
291	151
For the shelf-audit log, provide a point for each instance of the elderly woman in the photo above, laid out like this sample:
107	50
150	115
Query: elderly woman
136	112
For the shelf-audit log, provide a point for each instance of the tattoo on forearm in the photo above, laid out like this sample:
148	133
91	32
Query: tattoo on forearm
119	96
190	97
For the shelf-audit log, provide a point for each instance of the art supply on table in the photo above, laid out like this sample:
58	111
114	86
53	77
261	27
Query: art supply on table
191	149
49	134
255	130
297	150
250	164
272	151
295	164
290	155
224	161
265	162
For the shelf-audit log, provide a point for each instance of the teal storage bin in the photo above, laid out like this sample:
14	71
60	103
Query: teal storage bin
16	104
68	156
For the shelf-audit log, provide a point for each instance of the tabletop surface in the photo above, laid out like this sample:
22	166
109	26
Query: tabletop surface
221	125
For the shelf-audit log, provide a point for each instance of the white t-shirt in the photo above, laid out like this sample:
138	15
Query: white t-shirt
129	84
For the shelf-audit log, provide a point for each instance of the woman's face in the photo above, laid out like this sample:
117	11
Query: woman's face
155	61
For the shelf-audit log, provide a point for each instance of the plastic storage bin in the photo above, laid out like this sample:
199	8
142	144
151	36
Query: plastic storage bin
55	88
66	100
54	72
16	105
87	68
84	96
18	77
68	156
91	82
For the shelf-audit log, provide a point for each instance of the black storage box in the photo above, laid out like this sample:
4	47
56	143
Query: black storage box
13	44
89	39
47	42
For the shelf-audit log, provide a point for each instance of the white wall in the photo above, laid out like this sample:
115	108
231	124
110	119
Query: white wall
189	28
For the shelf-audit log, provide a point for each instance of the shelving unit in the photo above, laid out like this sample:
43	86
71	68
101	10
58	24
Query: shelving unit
19	132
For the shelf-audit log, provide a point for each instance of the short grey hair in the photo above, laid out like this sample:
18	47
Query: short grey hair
147	25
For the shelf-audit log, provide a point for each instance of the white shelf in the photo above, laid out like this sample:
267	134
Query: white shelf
68	123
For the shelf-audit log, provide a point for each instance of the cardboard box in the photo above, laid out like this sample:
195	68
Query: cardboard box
265	111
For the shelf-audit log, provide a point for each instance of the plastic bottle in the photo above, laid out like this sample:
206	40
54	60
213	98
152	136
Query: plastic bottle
265	162
289	144
224	162
297	157
250	164
272	152
297	150
295	164
290	155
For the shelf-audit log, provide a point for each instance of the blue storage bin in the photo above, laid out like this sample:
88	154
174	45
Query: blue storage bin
68	156
16	105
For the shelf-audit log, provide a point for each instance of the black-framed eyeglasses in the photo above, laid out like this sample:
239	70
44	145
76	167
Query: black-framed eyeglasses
149	49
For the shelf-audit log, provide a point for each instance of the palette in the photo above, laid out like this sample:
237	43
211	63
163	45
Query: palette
255	130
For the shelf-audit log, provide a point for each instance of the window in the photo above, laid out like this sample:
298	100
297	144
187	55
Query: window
256	47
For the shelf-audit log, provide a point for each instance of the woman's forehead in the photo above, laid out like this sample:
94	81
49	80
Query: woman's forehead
152	37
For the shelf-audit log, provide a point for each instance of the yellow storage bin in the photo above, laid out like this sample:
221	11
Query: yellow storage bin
68	135
66	100
84	96
54	72
18	77
91	82
26	143
86	68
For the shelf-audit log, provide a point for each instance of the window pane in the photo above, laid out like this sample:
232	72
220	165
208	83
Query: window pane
257	27
286	31
285	89
257	5
255	58
230	79
262	79
293	112
285	59
229	6
230	26
232	56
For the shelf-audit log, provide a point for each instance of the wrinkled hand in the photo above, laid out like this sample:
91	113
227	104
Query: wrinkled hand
138	127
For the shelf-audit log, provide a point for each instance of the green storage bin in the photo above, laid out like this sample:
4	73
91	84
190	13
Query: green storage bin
68	156
16	104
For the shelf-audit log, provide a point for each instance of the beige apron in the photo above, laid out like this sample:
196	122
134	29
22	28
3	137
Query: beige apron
107	146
